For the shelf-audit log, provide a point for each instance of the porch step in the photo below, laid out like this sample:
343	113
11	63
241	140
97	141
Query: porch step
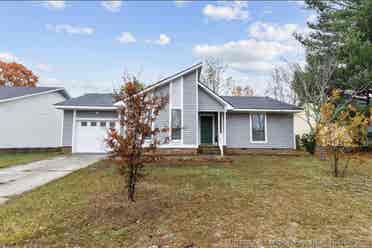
209	150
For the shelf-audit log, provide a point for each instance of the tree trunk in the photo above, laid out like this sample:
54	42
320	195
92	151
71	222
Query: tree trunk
346	166
131	183
335	163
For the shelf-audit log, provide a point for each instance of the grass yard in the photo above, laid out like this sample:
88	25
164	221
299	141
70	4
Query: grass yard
16	158
254	198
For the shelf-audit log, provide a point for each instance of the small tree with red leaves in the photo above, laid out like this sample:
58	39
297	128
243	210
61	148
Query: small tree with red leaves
14	74
131	146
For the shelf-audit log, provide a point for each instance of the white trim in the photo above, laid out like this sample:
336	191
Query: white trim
219	123
63	124
97	119
218	98
267	110
35	94
174	141
197	108
218	127
251	129
177	146
87	107
178	141
73	131
182	126
294	133
172	146
170	112
225	128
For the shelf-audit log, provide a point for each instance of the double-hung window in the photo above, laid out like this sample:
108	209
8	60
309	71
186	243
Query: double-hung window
258	128
176	123
176	110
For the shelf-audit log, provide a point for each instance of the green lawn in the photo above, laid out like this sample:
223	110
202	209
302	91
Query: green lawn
254	198
16	158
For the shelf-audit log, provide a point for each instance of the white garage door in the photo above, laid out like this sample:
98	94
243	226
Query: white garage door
90	136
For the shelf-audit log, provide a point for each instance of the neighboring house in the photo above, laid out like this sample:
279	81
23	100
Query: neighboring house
29	118
197	115
301	125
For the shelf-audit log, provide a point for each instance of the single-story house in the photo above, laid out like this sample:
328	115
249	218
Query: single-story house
29	118
197	115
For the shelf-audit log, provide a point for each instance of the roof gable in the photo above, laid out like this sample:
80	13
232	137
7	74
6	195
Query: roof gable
217	97
168	79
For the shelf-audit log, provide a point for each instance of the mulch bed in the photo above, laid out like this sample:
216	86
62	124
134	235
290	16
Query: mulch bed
192	160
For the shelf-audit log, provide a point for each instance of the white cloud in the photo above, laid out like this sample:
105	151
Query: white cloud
78	87
246	55
113	6
181	3
126	37
254	58
300	3
70	29
52	82
273	32
267	46
57	5
233	10
312	18
8	57
163	40
44	67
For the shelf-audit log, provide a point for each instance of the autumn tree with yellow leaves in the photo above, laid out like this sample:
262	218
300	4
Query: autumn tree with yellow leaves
343	127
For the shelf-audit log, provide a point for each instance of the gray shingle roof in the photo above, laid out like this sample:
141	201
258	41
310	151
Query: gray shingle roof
7	92
90	100
239	102
258	102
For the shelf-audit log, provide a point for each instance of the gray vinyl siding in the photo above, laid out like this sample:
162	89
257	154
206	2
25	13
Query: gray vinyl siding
96	114
190	119
279	131
207	103
31	122
67	128
162	120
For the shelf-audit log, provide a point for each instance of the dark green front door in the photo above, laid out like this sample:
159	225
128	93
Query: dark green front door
206	129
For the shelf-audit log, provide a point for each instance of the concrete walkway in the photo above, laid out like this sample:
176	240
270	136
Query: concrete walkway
18	179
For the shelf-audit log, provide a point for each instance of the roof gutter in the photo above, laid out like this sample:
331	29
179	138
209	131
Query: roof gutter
268	110
35	94
86	107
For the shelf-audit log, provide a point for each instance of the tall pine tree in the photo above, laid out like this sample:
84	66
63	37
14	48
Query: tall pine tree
343	31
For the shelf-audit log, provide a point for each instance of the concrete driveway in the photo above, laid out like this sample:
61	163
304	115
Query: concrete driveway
18	179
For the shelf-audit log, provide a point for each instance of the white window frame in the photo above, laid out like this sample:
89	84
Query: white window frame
251	128
180	139
176	141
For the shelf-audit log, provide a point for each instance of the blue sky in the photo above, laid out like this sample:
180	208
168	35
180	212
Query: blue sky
86	46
